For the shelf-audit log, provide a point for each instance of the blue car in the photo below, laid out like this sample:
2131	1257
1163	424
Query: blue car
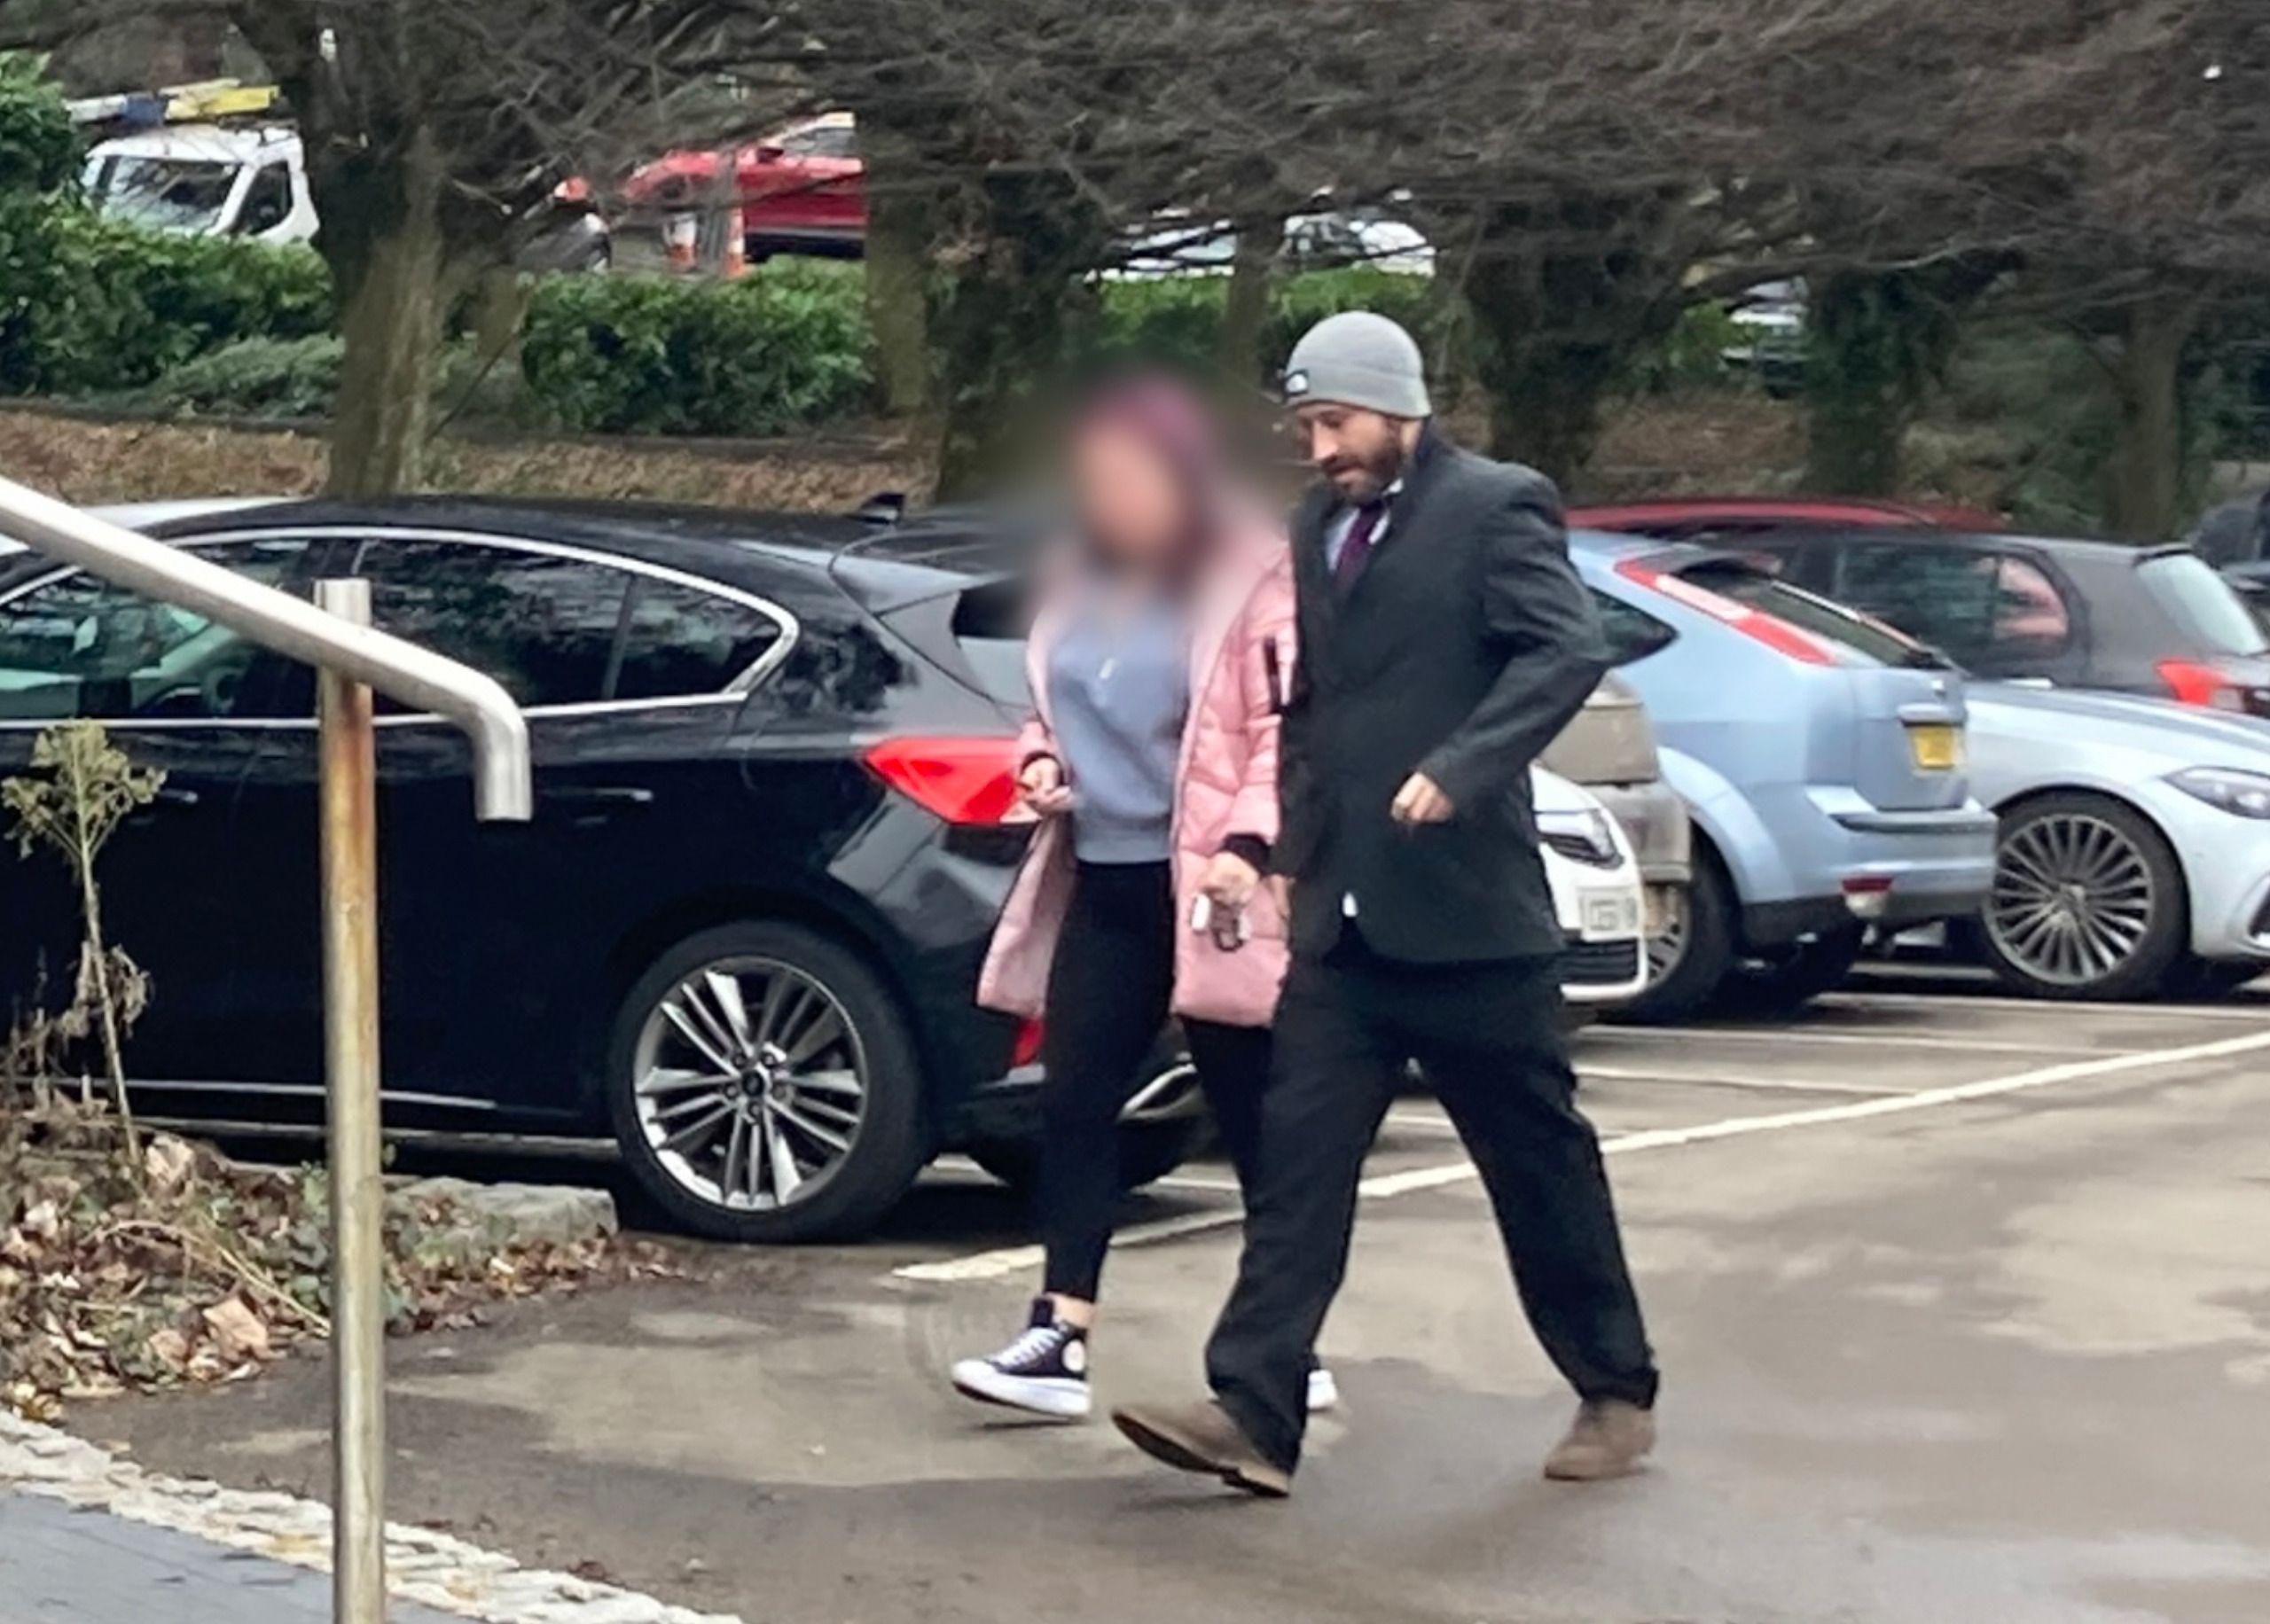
1820	755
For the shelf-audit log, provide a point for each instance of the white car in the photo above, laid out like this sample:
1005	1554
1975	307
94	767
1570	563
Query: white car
2132	847
1178	244
1594	876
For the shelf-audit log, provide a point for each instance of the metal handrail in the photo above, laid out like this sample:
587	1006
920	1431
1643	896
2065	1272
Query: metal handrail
414	676
351	660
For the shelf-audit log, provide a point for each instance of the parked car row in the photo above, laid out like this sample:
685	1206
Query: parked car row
775	824
2118	754
774	768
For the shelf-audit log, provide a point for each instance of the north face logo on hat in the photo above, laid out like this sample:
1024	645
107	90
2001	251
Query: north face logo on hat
1297	383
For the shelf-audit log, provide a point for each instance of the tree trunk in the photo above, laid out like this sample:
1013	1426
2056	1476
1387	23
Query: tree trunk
1000	328
1244	303
901	228
1553	335
389	261
2144	478
1873	343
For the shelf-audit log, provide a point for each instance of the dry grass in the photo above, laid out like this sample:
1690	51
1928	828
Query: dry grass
1691	444
1658	445
93	462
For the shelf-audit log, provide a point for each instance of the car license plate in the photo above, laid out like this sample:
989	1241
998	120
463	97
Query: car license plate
1610	917
1936	745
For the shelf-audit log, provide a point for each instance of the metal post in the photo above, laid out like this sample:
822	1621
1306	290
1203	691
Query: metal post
350	973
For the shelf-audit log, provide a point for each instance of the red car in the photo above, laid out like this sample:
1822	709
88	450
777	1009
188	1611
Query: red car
802	191
1685	517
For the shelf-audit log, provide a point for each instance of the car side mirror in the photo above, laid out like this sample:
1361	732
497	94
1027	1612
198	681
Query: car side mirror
770	152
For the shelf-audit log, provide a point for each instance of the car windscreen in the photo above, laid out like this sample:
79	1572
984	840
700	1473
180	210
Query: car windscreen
2201	602
1818	615
168	194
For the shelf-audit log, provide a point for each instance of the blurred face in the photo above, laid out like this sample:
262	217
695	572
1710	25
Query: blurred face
1359	452
1134	509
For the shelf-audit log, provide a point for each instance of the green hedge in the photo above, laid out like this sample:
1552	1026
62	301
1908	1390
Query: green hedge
90	306
785	348
254	378
1174	319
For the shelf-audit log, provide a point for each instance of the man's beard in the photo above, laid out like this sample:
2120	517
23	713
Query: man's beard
1361	479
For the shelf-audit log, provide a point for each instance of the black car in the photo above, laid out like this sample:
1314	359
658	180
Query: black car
2157	620
774	756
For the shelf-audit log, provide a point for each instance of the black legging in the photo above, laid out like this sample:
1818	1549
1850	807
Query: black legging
1108	994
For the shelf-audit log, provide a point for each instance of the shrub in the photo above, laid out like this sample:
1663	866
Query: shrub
1174	319
39	146
254	378
91	305
783	348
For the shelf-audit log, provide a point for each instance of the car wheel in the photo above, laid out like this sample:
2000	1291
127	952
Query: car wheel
1803	973
763	1086
2087	901
1689	962
1165	1125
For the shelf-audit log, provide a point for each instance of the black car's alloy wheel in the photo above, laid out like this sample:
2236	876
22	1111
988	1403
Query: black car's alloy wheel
763	1087
2087	901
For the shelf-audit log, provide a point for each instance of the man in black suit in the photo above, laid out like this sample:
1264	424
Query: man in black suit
1443	640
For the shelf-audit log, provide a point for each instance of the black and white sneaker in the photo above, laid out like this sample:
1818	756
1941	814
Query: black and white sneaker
1324	1393
1043	1372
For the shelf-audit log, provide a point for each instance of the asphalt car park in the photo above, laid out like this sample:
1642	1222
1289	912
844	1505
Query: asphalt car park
1959	1300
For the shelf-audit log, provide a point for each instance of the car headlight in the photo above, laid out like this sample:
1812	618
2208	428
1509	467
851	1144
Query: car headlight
2243	794
1587	836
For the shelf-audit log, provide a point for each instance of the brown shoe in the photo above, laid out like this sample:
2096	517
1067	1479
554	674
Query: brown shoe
1605	1441
1203	1438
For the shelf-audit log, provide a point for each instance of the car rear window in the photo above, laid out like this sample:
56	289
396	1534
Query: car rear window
1863	636
2202	603
988	625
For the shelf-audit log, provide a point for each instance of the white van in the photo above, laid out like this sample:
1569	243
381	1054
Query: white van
206	180
213	180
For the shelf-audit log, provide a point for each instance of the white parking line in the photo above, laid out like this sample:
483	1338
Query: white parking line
1011	1259
1873	1040
1726	1080
1997	1001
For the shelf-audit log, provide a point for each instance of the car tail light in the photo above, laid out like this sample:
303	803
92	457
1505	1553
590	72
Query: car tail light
2193	683
1773	632
961	780
1865	895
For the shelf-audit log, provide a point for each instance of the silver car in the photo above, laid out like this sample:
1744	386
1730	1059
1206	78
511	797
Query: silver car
2134	851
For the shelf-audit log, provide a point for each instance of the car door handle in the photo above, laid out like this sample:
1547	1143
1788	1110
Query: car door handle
606	797
164	795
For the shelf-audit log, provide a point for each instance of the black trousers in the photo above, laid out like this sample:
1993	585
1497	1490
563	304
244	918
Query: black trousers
1108	989
1489	1037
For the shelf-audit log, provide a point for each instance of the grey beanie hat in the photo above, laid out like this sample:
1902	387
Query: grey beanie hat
1359	359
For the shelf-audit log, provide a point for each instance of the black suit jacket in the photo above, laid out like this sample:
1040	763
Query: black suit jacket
1464	646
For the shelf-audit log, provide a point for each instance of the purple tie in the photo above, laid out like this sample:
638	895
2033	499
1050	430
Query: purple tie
1356	546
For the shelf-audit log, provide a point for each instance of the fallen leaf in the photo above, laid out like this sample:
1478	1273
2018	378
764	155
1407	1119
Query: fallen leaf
238	1332
168	1162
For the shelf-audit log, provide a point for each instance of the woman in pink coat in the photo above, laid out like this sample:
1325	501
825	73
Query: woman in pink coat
1159	661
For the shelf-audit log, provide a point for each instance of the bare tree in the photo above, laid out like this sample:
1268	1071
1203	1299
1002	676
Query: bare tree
435	132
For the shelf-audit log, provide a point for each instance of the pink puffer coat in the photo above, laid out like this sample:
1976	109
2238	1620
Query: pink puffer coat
1241	667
